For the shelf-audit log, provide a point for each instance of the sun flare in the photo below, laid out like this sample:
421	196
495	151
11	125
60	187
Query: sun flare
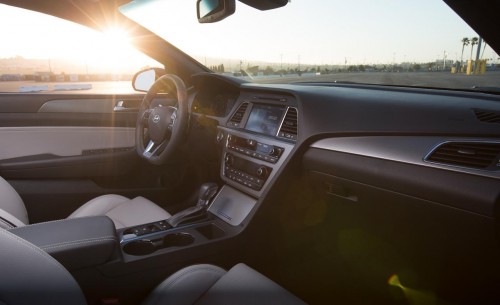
117	37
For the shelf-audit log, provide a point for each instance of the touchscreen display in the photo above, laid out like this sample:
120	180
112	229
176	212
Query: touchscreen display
265	119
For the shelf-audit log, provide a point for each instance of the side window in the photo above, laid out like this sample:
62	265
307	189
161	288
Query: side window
42	53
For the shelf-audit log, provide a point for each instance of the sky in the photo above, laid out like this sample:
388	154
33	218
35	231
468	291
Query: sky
319	31
64	44
316	32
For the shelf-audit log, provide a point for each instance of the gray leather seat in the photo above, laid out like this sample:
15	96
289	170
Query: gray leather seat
208	284
31	276
123	211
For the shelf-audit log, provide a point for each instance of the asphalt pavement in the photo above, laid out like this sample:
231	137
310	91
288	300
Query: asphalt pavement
421	79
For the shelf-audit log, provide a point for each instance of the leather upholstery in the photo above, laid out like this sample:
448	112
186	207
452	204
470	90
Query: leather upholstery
31	276
123	211
12	207
206	285
75	243
8	221
185	286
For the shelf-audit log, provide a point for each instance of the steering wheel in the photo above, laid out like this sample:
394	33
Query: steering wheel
162	127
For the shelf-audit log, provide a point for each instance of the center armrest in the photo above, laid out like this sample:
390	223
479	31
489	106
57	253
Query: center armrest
76	243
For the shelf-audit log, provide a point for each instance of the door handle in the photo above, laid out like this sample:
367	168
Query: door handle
120	107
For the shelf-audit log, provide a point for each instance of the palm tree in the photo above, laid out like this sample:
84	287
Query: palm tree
473	41
465	42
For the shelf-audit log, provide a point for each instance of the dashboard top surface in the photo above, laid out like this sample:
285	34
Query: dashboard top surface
340	109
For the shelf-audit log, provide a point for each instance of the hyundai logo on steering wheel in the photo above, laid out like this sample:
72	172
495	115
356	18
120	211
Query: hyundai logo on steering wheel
156	118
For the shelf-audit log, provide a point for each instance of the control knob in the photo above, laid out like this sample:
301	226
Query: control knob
275	151
262	171
220	136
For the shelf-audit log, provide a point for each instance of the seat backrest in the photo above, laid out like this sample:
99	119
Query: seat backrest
12	209
29	276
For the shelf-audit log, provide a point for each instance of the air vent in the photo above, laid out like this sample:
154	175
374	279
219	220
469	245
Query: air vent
472	154
289	127
487	116
238	116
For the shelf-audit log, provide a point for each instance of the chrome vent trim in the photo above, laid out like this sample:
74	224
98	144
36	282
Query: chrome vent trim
289	126
238	115
477	155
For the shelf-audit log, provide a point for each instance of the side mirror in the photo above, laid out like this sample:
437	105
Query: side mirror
214	10
143	80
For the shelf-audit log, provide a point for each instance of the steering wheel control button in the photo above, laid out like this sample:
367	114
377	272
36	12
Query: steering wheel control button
145	116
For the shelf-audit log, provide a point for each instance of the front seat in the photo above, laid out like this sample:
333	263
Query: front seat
123	211
31	276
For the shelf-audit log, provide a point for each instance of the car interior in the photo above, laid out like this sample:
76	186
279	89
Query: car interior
335	193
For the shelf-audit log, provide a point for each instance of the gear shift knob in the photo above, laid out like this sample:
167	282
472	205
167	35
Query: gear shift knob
207	191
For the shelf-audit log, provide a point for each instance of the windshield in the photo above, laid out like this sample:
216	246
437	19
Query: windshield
392	42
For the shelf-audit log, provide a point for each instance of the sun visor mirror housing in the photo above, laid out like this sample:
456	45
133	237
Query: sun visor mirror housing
214	10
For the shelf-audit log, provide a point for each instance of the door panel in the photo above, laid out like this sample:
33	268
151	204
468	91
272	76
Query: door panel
61	150
62	141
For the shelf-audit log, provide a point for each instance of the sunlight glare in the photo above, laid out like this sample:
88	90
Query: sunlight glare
117	37
112	50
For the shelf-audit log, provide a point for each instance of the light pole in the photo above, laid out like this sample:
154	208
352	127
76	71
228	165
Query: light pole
444	60
299	64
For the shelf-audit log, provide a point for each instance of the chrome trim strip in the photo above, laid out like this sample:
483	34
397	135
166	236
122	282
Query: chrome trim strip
404	149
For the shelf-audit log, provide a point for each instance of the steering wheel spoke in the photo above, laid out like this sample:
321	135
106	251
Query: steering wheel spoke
153	149
145	116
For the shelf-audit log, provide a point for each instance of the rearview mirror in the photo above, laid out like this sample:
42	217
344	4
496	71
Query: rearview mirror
214	10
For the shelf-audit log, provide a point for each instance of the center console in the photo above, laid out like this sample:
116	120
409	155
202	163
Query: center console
256	141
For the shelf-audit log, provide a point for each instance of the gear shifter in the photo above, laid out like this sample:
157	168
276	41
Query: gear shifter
207	191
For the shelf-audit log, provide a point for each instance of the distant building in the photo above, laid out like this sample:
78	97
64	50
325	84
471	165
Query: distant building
44	76
10	77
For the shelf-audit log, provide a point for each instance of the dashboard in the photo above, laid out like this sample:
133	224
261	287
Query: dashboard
377	158
260	127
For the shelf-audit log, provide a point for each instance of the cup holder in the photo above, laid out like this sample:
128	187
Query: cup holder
177	240
147	246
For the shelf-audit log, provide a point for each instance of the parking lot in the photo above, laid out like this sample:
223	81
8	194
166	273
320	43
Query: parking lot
421	79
